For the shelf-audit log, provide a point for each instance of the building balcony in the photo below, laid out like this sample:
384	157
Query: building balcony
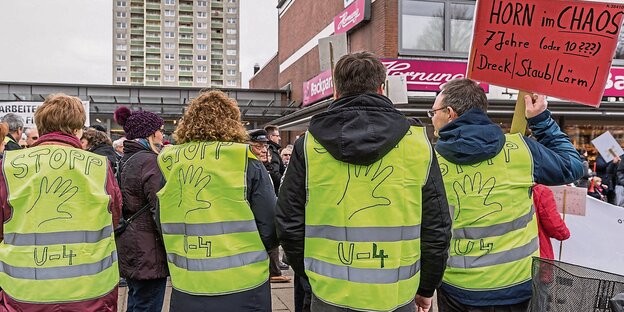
152	28
136	74
186	84
136	31
216	66
216	56
152	39
136	21
136	53
153	50
216	46
186	19
216	25
153	72
186	51
152	82
186	62
136	64
186	40
152	17
188	30
214	35
136	42
216	4
137	10
152	6
186	8
214	77
152	61
186	74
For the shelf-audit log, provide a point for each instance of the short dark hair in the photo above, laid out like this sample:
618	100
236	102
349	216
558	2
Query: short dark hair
464	94
271	128
358	73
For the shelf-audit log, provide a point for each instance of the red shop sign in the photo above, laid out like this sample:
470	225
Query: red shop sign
353	15
318	88
615	82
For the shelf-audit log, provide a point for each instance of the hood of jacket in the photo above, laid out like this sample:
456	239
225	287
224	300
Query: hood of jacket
359	129
469	139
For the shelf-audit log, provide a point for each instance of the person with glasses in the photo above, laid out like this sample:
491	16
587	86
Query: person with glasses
31	136
286	153
491	175
277	165
142	257
362	214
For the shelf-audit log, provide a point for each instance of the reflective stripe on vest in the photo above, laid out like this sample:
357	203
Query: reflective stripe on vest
58	246
359	275
209	231
494	227
362	235
70	237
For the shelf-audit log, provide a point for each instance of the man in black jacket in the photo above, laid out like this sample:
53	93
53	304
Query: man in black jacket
360	128
16	128
276	168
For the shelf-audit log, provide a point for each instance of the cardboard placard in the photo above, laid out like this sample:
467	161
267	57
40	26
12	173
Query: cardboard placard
561	48
575	199
607	146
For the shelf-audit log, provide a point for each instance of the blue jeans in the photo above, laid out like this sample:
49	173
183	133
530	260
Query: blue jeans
146	295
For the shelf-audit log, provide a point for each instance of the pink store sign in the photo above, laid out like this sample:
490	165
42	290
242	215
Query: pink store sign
615	82
352	16
427	75
318	88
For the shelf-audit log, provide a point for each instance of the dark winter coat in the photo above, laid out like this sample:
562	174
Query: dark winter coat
275	166
12	144
141	251
361	129
472	138
108	151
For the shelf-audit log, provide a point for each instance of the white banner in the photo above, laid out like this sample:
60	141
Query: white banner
596	238
27	111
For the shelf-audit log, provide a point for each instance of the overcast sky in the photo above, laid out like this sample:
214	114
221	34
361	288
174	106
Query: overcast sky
69	41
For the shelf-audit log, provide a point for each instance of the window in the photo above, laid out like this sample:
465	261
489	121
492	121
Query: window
169	13
202	79
231	62
121	79
231	21
230	52
230	31
121	25
619	51
169	34
121	68
231	1
186	68
120	57
170	2
202	36
231	41
202	3
231	83
231	72
121	3
169	56
231	10
121	47
120	36
202	46
169	78
202	25
169	67
169	45
153	78
202	14
169	24
202	68
120	14
440	26
202	58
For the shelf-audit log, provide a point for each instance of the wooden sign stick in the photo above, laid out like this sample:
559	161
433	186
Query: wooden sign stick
519	122
331	66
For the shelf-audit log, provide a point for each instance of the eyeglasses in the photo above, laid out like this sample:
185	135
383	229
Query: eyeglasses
286	155
276	135
260	146
431	113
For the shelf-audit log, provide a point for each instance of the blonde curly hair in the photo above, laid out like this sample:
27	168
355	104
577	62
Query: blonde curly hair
212	116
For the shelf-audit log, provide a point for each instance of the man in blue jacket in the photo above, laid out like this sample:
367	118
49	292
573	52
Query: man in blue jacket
488	177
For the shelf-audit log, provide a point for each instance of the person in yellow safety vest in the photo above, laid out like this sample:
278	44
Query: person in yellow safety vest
362	212
59	206
216	212
489	176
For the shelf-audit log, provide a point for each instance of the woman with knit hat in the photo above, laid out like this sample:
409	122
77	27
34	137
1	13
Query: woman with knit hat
142	258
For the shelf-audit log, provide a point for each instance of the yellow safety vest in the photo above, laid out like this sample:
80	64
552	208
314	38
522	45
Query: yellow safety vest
210	234
58	245
494	225
362	235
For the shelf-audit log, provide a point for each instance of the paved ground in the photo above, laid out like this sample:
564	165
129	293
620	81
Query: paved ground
281	295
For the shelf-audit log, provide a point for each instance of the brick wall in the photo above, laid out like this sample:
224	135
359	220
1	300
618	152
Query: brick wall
267	77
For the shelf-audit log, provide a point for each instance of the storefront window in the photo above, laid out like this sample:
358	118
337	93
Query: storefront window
436	27
619	51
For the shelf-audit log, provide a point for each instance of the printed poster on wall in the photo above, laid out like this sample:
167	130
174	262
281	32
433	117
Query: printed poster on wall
560	48
27	111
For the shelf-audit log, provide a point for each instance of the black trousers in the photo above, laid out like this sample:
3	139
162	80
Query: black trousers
448	304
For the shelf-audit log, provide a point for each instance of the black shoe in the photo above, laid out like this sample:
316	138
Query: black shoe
122	282
283	266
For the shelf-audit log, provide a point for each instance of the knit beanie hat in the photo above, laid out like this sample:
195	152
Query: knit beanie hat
138	124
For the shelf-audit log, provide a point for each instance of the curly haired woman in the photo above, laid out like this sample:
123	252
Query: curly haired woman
216	212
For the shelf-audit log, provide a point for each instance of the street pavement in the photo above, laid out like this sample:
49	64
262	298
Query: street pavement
281	296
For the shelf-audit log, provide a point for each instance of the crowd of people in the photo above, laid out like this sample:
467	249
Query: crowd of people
369	214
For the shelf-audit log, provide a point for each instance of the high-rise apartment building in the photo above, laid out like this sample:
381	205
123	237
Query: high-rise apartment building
176	43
